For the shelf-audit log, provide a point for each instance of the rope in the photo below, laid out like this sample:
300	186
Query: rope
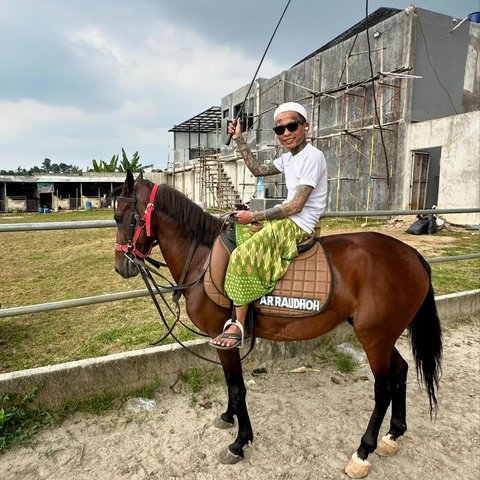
154	289
377	116
240	111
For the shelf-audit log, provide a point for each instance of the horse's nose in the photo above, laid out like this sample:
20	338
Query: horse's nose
117	270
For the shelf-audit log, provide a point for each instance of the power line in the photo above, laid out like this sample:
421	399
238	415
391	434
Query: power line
377	116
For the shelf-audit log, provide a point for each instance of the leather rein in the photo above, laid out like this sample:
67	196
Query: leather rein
138	224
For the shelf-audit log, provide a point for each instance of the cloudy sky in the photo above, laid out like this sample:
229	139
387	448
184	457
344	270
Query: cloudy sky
80	79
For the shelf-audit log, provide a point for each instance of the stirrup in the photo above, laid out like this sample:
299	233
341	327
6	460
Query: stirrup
237	324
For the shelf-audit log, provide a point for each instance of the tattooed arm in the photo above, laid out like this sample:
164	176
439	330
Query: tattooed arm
284	210
258	169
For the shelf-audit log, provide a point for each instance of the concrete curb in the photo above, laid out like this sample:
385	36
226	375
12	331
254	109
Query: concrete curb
125	372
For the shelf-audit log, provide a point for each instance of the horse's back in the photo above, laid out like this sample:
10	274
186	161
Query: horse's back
380	274
376	258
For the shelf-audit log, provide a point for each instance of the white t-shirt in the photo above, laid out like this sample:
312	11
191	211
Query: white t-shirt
307	167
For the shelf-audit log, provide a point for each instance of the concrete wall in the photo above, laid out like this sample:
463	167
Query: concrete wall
63	203
459	184
440	59
358	166
471	85
124	372
15	205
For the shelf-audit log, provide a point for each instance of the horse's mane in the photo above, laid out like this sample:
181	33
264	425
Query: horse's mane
199	225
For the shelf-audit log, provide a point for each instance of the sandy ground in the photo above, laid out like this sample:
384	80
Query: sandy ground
306	426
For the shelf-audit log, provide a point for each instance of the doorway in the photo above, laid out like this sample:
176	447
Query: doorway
425	178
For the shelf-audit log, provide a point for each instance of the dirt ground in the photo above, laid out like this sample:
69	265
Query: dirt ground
306	426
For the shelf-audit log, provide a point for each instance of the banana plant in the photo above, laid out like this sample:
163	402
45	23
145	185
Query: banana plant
133	165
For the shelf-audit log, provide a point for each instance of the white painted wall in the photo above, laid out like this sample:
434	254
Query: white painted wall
459	137
16	205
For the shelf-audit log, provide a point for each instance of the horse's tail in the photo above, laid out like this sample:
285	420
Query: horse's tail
426	340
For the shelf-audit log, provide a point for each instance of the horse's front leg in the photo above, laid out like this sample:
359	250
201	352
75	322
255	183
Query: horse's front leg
232	368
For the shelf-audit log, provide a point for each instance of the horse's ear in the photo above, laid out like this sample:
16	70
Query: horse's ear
140	177
129	182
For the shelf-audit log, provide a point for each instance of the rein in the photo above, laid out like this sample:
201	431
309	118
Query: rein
153	289
139	224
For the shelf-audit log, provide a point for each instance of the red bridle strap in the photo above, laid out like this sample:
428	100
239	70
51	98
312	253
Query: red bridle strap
147	222
147	218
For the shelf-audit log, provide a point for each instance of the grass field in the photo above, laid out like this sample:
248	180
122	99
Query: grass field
39	267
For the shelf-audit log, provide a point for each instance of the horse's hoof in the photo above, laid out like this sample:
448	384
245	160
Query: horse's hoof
222	424
387	446
357	468
226	457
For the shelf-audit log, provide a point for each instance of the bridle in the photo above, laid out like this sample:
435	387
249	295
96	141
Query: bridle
138	224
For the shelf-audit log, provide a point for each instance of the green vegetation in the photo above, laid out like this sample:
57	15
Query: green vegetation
198	381
114	165
344	362
327	352
61	216
47	167
125	164
19	420
195	379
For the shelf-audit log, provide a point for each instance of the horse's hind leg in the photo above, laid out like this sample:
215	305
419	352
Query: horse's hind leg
398	387
379	358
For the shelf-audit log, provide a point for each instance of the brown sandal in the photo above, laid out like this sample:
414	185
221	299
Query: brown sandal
230	336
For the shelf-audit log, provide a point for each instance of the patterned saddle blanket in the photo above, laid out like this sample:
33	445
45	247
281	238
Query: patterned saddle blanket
304	290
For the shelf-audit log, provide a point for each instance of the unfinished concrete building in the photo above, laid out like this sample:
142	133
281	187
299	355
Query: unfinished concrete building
394	106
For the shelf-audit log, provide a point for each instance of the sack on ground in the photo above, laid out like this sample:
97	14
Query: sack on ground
419	226
432	224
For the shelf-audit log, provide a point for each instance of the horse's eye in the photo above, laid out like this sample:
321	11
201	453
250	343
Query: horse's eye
118	219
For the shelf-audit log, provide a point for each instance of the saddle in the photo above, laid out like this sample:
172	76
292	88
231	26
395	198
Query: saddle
304	290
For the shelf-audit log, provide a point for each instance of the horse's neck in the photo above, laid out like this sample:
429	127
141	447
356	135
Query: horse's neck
175	251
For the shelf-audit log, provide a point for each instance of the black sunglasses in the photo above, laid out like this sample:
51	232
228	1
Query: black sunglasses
291	127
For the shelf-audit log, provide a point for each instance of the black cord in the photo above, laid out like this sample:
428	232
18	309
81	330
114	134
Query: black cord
377	117
240	111
346	59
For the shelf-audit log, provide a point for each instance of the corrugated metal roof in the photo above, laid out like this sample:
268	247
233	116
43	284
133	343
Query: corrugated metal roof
377	16
205	122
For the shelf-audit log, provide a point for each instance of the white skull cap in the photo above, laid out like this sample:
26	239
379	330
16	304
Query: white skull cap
290	107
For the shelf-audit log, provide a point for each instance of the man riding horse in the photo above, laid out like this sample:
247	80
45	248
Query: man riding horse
262	257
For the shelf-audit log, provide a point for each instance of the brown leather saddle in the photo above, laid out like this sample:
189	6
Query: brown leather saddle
304	290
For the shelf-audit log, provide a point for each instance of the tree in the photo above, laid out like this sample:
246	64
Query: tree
133	165
101	166
47	165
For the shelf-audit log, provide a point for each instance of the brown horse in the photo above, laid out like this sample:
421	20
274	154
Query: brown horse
381	286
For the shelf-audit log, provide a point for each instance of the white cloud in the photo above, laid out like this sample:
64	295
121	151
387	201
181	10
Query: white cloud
81	80
152	82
